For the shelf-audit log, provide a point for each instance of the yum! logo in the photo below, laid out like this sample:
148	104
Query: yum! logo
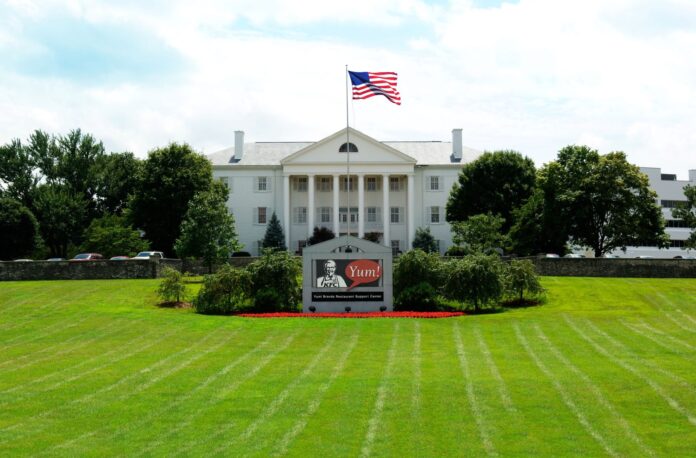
363	271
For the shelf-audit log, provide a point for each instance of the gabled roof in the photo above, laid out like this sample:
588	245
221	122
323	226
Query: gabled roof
277	153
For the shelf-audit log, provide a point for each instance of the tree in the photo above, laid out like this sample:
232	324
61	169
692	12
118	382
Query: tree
417	280
16	172
687	213
320	234
605	202
538	227
275	279
425	241
117	178
61	214
19	231
208	228
111	235
274	237
171	177
171	287
521	276
475	279
495	183
479	234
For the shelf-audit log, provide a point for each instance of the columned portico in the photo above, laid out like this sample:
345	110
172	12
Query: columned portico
411	230
336	215
286	209
310	205
361	205
386	239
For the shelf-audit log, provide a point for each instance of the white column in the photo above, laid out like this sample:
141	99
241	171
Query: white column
336	223
310	205
410	210
286	210
385	211
361	205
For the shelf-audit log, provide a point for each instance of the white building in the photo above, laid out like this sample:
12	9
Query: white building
394	187
670	192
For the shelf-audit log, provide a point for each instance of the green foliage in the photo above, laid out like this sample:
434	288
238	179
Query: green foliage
476	280
61	214
425	241
275	281
417	278
171	176
111	235
687	213
19	231
495	183
374	237
16	172
274	237
604	202
479	234
320	234
538	228
224	292
521	276
171	287
118	176
208	229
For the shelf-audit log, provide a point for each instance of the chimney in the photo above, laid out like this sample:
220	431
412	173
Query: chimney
238	144
457	144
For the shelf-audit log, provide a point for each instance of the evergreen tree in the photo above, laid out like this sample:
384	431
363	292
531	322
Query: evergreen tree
425	240
274	237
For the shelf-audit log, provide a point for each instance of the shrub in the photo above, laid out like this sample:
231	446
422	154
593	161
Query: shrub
320	234
171	288
223	292
475	280
425	241
275	281
274	237
417	279
521	276
373	236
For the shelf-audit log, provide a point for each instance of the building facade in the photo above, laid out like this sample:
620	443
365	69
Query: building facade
670	193
348	182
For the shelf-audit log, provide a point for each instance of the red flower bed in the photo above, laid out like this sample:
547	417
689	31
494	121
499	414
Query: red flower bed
354	315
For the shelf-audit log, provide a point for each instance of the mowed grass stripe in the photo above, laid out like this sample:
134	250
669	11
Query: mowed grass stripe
593	388
657	337
227	391
375	418
657	388
679	324
483	428
565	396
495	372
276	403
301	422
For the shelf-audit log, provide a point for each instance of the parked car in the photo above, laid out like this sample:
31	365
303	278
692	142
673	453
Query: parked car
87	257
23	260
55	259
574	255
552	255
118	258
148	254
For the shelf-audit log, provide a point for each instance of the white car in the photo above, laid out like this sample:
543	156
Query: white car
148	255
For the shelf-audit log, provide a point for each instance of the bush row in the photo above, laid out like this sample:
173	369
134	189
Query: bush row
424	281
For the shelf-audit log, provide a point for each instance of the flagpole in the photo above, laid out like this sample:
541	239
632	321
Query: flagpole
347	154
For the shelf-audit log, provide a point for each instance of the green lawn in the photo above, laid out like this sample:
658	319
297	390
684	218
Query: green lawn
605	367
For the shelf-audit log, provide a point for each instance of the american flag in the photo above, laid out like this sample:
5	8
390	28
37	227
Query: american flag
370	84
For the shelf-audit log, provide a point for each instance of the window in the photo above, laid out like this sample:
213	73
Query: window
299	215
677	243
324	214
672	203
226	182
433	183
324	184
396	247
396	213
434	215
676	223
345	182
299	184
396	184
373	214
372	184
262	184
344	148
260	215
343	214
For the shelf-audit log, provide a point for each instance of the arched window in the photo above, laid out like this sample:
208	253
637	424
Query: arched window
344	148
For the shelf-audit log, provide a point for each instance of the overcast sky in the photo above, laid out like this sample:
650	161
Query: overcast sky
528	75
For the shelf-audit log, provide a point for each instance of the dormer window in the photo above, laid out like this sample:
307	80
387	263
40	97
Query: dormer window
344	148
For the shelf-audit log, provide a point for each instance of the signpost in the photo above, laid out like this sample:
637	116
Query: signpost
347	274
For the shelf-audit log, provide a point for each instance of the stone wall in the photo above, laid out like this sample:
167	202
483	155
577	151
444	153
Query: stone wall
616	267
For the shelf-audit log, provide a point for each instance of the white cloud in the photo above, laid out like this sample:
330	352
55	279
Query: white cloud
532	76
